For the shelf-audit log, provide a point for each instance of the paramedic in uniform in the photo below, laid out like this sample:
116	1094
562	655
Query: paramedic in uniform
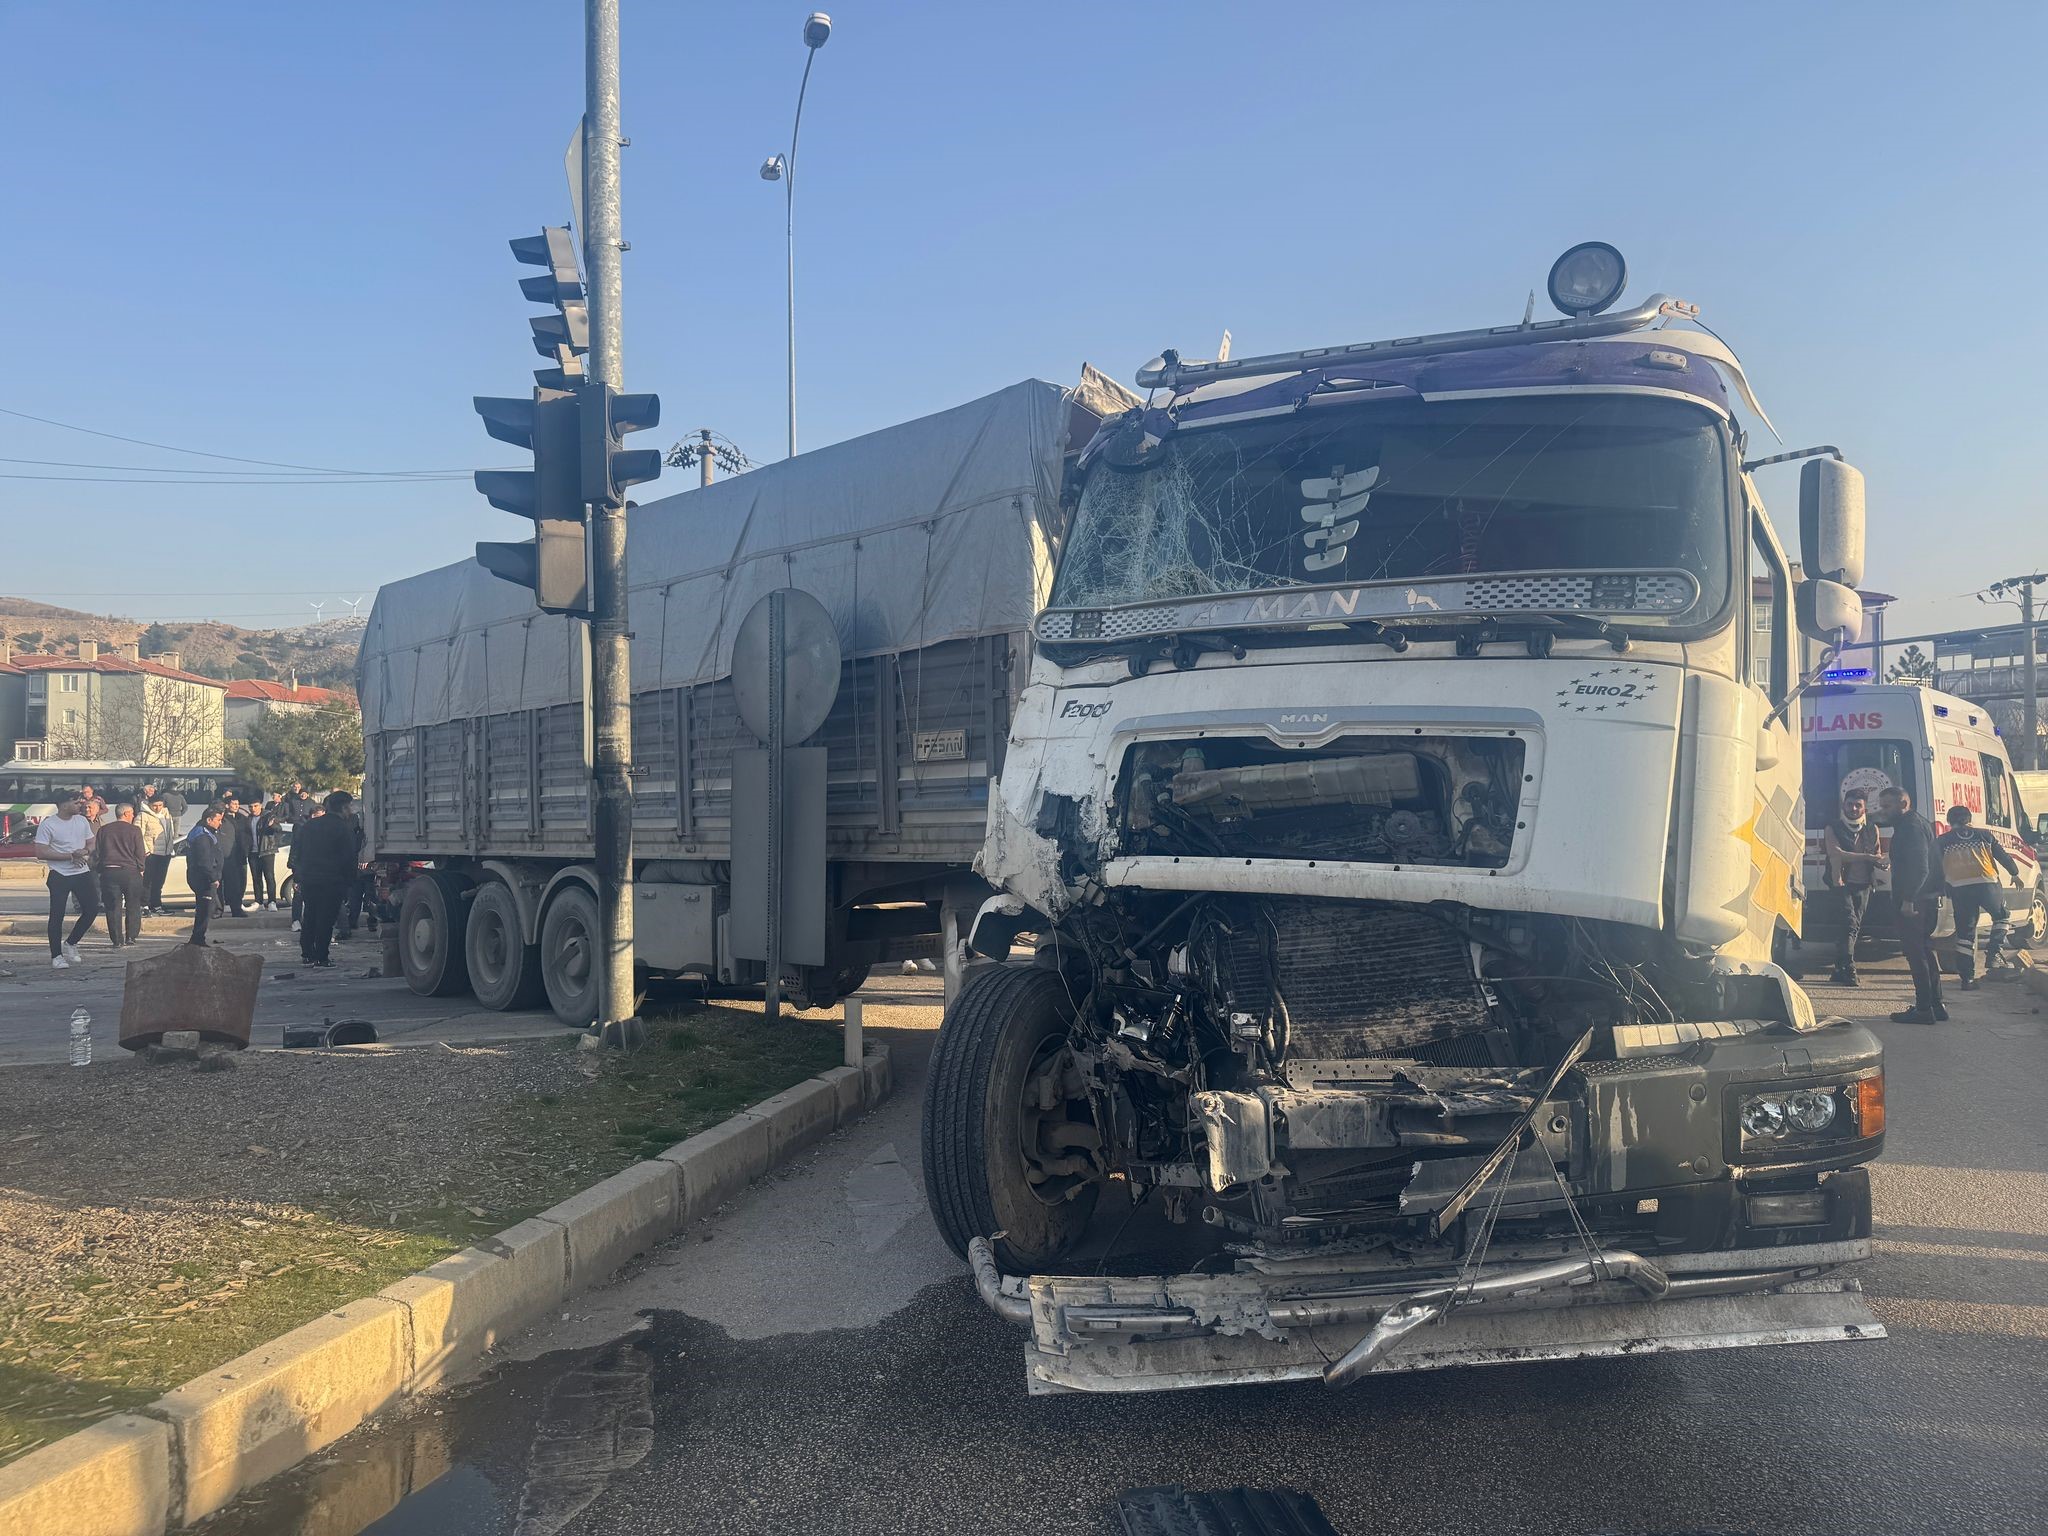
1970	860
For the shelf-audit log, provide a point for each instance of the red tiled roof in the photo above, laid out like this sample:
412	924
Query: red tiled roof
277	693
117	664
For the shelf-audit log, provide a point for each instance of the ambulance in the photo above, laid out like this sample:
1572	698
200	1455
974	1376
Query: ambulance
1941	749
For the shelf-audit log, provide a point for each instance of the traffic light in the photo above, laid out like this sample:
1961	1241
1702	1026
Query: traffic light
606	416
565	335
555	562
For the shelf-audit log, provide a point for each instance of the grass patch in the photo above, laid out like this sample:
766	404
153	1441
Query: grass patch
221	1284
701	1066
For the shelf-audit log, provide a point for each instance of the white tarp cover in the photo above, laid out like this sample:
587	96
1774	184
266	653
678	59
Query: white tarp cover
938	529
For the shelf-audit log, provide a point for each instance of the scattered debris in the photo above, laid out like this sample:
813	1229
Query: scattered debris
200	989
329	1033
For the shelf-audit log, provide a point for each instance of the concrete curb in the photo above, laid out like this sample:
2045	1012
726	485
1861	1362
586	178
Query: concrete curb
193	1450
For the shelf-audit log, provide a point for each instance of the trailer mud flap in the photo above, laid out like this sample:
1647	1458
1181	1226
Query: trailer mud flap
1803	1312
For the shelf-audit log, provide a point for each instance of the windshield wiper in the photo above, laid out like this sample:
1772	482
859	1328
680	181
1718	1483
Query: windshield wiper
1538	630
1183	648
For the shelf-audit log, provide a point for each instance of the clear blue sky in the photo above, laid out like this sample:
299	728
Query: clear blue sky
278	231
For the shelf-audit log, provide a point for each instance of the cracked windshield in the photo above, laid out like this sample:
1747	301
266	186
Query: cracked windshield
1404	492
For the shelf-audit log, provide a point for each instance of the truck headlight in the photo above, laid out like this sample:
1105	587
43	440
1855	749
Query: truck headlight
1783	1120
1763	1116
1810	1109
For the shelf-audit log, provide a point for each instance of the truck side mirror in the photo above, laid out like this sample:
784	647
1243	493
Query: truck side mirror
1829	611
1831	521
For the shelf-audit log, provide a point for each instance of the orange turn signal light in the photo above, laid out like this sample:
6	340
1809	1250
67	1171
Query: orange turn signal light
1868	1095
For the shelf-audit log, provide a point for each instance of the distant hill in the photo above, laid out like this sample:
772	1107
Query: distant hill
322	654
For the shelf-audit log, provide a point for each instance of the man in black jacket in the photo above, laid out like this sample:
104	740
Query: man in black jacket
202	869
1916	891
325	862
119	852
298	805
235	843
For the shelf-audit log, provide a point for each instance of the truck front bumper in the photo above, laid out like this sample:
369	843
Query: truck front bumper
1153	1333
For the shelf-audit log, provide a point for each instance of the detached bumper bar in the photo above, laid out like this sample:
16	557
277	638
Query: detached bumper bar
1138	1334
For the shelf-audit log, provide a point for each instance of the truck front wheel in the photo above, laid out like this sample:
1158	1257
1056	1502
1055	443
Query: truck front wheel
1011	1151
430	932
571	943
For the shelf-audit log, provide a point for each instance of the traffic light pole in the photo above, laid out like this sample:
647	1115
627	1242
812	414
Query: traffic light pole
610	680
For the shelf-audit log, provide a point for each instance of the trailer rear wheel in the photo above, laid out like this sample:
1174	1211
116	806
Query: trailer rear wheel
504	970
571	948
1006	1144
430	923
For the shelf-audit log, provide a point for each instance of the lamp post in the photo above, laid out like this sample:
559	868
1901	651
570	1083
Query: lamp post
782	168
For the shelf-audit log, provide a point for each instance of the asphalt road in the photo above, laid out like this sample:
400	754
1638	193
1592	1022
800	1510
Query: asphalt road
814	1360
36	1002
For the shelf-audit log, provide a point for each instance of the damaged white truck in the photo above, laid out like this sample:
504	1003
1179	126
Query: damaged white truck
1389	844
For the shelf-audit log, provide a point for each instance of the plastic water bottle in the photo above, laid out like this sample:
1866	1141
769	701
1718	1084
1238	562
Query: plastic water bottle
81	1038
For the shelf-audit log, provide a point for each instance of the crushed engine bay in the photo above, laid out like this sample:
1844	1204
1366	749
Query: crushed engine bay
1309	1071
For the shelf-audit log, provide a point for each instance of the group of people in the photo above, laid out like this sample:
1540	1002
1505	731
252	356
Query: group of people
1961	864
115	859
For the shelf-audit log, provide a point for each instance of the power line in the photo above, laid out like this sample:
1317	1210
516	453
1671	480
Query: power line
227	474
412	479
317	469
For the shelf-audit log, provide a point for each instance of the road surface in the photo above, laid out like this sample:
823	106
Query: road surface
814	1359
36	1001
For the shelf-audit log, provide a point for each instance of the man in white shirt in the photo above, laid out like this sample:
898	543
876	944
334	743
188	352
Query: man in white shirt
64	842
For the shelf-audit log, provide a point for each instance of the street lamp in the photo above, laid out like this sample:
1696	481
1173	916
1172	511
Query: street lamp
782	168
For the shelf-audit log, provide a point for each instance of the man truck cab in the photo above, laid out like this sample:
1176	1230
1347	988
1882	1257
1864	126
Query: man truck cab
1943	751
1401	805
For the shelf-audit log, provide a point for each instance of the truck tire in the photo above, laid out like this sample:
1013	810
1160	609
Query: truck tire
571	943
504	970
1009	1025
430	923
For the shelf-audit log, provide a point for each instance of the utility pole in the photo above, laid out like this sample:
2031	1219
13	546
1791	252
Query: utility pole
2020	589
610	680
2033	723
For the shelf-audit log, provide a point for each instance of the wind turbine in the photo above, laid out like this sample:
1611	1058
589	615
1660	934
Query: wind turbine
316	607
352	603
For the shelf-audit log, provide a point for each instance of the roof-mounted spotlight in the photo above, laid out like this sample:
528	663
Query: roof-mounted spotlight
1587	279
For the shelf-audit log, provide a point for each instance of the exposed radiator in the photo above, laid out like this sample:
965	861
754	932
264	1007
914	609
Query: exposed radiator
1357	980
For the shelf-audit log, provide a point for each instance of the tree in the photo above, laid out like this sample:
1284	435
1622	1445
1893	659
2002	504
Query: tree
1913	666
322	748
154	640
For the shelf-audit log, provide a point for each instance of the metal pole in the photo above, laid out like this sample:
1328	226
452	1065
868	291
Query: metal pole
789	232
610	676
2033	721
778	672
704	455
